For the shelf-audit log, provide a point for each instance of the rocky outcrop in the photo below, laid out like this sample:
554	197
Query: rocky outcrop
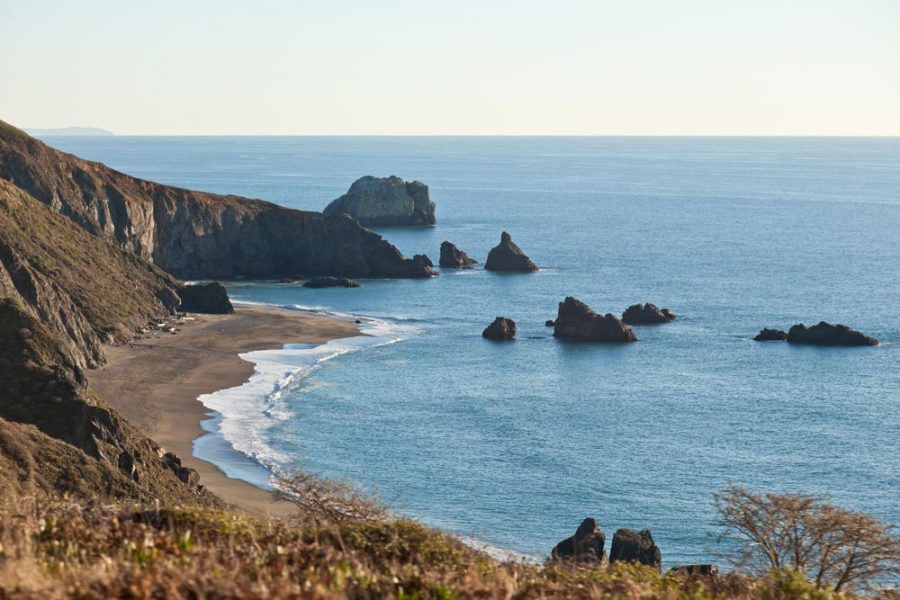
196	235
576	321
771	335
390	200
826	334
821	334
629	545
211	298
501	329
507	256
327	282
647	314
454	258
81	287
586	545
695	571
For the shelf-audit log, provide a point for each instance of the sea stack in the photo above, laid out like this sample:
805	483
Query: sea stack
375	201
454	258
507	256
629	545
586	545
577	322
210	298
647	314
502	329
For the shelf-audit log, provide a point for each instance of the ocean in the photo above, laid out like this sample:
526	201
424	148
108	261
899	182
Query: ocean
513	444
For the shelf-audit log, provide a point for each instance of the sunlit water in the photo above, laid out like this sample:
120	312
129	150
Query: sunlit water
515	443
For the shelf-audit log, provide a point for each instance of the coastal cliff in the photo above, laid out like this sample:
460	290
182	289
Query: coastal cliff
197	235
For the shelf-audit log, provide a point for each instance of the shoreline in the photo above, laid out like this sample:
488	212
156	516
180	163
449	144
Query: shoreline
156	382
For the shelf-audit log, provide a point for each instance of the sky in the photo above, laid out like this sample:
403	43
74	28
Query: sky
453	67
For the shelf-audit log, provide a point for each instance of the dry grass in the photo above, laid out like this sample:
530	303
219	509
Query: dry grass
66	549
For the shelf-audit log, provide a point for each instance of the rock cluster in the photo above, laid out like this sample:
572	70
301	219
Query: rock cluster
507	256
326	282
390	200
454	258
647	314
576	321
821	334
211	298
501	329
586	545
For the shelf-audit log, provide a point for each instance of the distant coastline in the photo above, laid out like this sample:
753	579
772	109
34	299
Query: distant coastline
69	132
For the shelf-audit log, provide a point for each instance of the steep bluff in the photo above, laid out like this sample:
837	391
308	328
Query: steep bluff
197	235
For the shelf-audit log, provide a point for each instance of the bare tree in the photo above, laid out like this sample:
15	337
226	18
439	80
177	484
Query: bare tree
833	547
327	501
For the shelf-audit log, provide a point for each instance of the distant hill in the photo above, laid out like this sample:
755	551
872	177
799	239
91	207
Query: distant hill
69	132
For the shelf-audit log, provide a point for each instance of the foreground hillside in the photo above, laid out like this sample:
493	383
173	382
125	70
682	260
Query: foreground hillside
196	235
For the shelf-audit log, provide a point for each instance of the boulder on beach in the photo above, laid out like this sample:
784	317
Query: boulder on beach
501	329
211	298
647	314
385	201
770	335
507	256
454	258
586	545
629	545
826	334
576	321
326	282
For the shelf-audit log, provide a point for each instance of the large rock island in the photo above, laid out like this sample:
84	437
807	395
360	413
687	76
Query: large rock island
197	235
385	201
821	334
577	322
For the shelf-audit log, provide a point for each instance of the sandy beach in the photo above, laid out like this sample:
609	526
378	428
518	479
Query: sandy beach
155	382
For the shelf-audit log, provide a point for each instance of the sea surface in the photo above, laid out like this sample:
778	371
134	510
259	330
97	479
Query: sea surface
515	443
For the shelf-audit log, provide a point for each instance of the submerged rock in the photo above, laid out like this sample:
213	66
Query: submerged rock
501	329
629	545
770	335
576	321
507	256
647	314
211	298
326	282
454	258
586	545
826	334
385	201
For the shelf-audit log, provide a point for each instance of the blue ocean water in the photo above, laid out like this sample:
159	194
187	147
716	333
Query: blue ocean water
515	443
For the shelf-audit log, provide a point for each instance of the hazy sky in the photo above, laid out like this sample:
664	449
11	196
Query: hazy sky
752	67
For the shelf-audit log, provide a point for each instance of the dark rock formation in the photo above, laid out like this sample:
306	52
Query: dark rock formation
586	545
210	298
501	329
647	314
196	235
326	282
576	321
695	571
549	323
771	335
390	200
635	546
454	258
506	256
825	334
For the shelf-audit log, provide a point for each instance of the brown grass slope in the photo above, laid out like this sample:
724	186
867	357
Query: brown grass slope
196	235
84	289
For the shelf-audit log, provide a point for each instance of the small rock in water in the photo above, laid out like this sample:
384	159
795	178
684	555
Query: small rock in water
506	256
647	314
501	329
585	545
577	322
629	545
326	282
771	335
454	258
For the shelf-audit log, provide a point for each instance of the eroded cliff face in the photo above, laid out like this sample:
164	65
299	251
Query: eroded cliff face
79	286
196	235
